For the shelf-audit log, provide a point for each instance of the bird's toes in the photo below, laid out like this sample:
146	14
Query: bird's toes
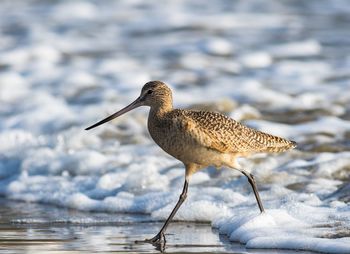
159	238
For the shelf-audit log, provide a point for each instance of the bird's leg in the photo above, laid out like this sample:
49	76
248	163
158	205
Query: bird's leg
160	236
252	182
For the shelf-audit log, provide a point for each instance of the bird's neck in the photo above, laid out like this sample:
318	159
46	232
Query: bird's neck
161	108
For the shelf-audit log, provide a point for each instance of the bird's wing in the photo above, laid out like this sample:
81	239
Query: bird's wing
207	129
221	133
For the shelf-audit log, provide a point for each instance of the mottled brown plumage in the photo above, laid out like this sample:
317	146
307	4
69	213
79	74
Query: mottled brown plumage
199	138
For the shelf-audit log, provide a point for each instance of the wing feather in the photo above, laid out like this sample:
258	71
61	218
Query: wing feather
221	133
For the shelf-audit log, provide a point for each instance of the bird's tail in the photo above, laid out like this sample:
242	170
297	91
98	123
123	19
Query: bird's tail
282	146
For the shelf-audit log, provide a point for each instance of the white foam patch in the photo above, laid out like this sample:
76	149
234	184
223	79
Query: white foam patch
256	60
78	10
12	87
278	229
297	49
217	46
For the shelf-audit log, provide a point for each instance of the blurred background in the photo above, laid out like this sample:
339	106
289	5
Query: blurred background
279	66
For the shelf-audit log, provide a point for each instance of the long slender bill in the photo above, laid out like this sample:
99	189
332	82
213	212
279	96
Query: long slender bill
135	104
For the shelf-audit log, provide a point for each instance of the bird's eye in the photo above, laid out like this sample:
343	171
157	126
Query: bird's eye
149	91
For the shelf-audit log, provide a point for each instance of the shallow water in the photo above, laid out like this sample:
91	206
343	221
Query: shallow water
37	228
278	66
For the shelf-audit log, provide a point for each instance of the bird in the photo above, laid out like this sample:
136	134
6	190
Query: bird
199	139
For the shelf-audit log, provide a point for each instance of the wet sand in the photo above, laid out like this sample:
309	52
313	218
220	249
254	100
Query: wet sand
38	228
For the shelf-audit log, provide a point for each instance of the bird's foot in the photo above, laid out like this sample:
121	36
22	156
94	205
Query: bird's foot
158	239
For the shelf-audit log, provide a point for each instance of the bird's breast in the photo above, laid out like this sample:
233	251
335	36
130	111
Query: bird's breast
168	137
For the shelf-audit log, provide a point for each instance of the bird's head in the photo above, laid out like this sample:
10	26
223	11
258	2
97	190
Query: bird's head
154	94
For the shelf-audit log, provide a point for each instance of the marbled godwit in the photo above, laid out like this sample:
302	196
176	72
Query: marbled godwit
199	139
